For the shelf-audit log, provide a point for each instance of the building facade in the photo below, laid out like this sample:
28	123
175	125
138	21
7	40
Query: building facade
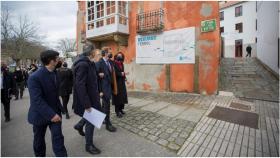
123	26
268	34
238	27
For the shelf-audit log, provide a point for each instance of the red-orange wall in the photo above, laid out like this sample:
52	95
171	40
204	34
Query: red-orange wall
178	15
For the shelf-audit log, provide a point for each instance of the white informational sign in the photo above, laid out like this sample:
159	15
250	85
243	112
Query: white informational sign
170	47
95	117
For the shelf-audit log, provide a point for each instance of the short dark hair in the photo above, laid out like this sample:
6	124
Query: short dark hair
47	56
104	52
87	49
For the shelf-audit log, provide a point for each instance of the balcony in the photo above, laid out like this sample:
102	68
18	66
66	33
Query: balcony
106	20
150	22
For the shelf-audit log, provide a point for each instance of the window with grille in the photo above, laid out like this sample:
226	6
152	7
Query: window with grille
90	10
238	11
239	27
99	9
150	21
111	8
99	23
110	20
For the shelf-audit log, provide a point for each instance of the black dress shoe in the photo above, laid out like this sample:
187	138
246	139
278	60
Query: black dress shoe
92	149
80	130
122	112
7	120
67	116
111	128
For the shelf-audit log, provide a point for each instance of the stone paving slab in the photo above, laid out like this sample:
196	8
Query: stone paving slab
155	107
142	103
191	114
172	110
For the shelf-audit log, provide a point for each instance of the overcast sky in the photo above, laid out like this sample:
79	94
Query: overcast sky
56	20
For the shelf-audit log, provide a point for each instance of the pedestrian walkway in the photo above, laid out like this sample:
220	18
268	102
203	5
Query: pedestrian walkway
17	138
246	77
212	137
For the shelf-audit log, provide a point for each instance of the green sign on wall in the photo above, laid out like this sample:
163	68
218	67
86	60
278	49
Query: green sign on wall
208	25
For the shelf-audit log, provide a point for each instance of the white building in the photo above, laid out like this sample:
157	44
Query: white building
268	33
238	28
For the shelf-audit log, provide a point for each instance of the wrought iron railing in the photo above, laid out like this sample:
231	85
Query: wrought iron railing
151	21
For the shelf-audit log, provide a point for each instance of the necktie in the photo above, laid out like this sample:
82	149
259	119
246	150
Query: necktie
109	66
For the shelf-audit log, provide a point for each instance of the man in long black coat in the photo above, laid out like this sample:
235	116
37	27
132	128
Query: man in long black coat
7	88
65	88
86	94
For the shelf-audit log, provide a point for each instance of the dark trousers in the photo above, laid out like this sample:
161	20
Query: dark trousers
248	54
19	89
65	100
119	108
106	109
89	130
39	144
5	100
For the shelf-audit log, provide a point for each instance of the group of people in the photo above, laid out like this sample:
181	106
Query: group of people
97	79
13	83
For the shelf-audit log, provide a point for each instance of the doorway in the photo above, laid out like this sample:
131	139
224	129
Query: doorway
238	48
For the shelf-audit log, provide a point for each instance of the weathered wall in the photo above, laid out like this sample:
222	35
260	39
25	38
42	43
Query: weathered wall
201	77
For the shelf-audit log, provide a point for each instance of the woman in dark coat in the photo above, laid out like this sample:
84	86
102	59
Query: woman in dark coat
65	88
121	98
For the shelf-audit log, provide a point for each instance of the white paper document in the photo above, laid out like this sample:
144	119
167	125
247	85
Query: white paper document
95	117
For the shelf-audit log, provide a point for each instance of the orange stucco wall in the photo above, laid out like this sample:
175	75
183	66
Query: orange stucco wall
182	76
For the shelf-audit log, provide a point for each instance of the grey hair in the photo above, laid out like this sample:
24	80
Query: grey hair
87	49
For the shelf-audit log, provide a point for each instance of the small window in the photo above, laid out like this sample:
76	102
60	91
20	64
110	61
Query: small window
239	27
99	9
222	30
99	23
238	11
110	20
122	20
90	10
110	7
90	26
122	7
221	16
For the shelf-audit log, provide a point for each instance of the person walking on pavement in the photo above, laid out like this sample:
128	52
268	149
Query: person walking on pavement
45	107
65	88
33	68
105	71
86	94
121	98
19	78
7	88
248	49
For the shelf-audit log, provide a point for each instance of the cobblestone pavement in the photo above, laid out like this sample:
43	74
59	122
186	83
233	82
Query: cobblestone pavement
164	118
248	78
212	137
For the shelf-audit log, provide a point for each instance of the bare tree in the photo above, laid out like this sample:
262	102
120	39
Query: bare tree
18	40
66	45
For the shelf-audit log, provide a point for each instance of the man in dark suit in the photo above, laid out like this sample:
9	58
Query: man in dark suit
7	87
105	70
45	107
86	94
65	88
